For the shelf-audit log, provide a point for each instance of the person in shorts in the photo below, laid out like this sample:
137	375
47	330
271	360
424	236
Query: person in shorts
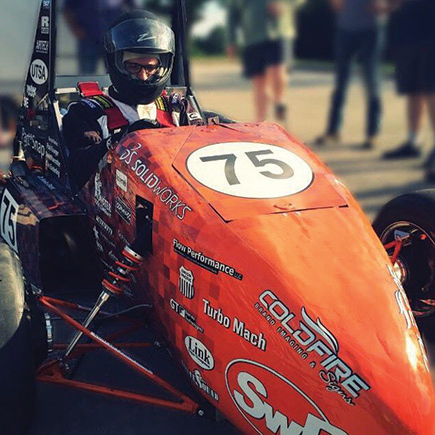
413	36
268	29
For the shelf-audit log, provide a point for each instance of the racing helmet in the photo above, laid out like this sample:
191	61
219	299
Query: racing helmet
143	33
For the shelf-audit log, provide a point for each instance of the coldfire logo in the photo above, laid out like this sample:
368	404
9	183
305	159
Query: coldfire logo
273	404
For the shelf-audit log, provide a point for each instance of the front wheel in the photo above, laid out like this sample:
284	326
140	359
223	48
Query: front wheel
17	366
410	218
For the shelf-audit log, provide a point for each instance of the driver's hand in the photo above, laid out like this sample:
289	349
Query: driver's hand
93	136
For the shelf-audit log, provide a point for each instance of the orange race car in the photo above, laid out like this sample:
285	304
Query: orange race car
261	268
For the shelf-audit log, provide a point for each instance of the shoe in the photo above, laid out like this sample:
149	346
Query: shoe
327	139
405	151
281	112
369	143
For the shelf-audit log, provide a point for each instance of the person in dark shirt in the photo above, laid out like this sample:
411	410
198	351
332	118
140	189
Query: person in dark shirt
88	20
139	55
360	34
413	40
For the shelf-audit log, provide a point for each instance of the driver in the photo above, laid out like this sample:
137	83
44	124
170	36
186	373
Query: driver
139	51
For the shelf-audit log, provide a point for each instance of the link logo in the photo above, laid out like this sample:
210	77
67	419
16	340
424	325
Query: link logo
199	353
272	404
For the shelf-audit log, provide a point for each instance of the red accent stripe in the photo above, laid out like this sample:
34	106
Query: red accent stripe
89	89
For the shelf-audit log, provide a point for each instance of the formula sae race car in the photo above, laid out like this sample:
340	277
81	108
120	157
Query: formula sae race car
272	290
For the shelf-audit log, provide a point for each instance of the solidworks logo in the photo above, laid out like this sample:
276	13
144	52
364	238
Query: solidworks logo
272	404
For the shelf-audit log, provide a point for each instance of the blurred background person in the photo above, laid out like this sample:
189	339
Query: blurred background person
413	38
268	29
360	33
88	20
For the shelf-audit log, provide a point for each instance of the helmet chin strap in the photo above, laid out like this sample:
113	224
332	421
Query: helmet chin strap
118	96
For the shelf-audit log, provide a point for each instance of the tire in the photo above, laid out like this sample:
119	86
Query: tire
412	216
17	366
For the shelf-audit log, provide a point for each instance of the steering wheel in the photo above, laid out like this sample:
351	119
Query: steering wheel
142	124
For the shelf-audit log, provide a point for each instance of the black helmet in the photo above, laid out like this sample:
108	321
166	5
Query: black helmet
139	32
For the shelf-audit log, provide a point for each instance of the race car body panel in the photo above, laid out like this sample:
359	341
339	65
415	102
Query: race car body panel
284	320
244	170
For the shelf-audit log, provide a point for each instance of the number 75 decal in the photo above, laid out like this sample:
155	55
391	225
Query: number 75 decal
8	220
250	169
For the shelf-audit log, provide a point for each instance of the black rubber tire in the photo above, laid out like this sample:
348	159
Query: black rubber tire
418	209
17	366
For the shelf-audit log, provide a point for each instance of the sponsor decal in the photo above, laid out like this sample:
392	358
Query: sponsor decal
8	219
47	184
185	314
41	46
100	200
313	342
52	156
30	91
104	225
250	170
100	246
45	25
185	283
199	353
123	210
205	262
165	194
121	180
38	71
266	400
123	239
29	141
26	102
235	325
199	381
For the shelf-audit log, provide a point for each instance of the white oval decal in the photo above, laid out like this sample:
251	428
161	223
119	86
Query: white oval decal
39	71
199	353
273	404
250	170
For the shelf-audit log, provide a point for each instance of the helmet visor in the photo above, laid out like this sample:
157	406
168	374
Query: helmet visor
144	35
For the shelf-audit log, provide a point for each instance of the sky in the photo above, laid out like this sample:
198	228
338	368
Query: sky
214	15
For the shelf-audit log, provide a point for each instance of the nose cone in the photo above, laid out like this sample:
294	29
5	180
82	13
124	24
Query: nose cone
341	330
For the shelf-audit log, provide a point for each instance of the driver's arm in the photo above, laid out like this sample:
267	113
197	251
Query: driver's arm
86	141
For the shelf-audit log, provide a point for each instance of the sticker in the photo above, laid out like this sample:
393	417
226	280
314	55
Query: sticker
205	262
8	219
39	71
41	46
30	141
30	91
185	314
100	200
235	325
315	344
45	25
123	210
185	283
266	400
250	170
121	180
166	194
199	353
199	381
104	226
